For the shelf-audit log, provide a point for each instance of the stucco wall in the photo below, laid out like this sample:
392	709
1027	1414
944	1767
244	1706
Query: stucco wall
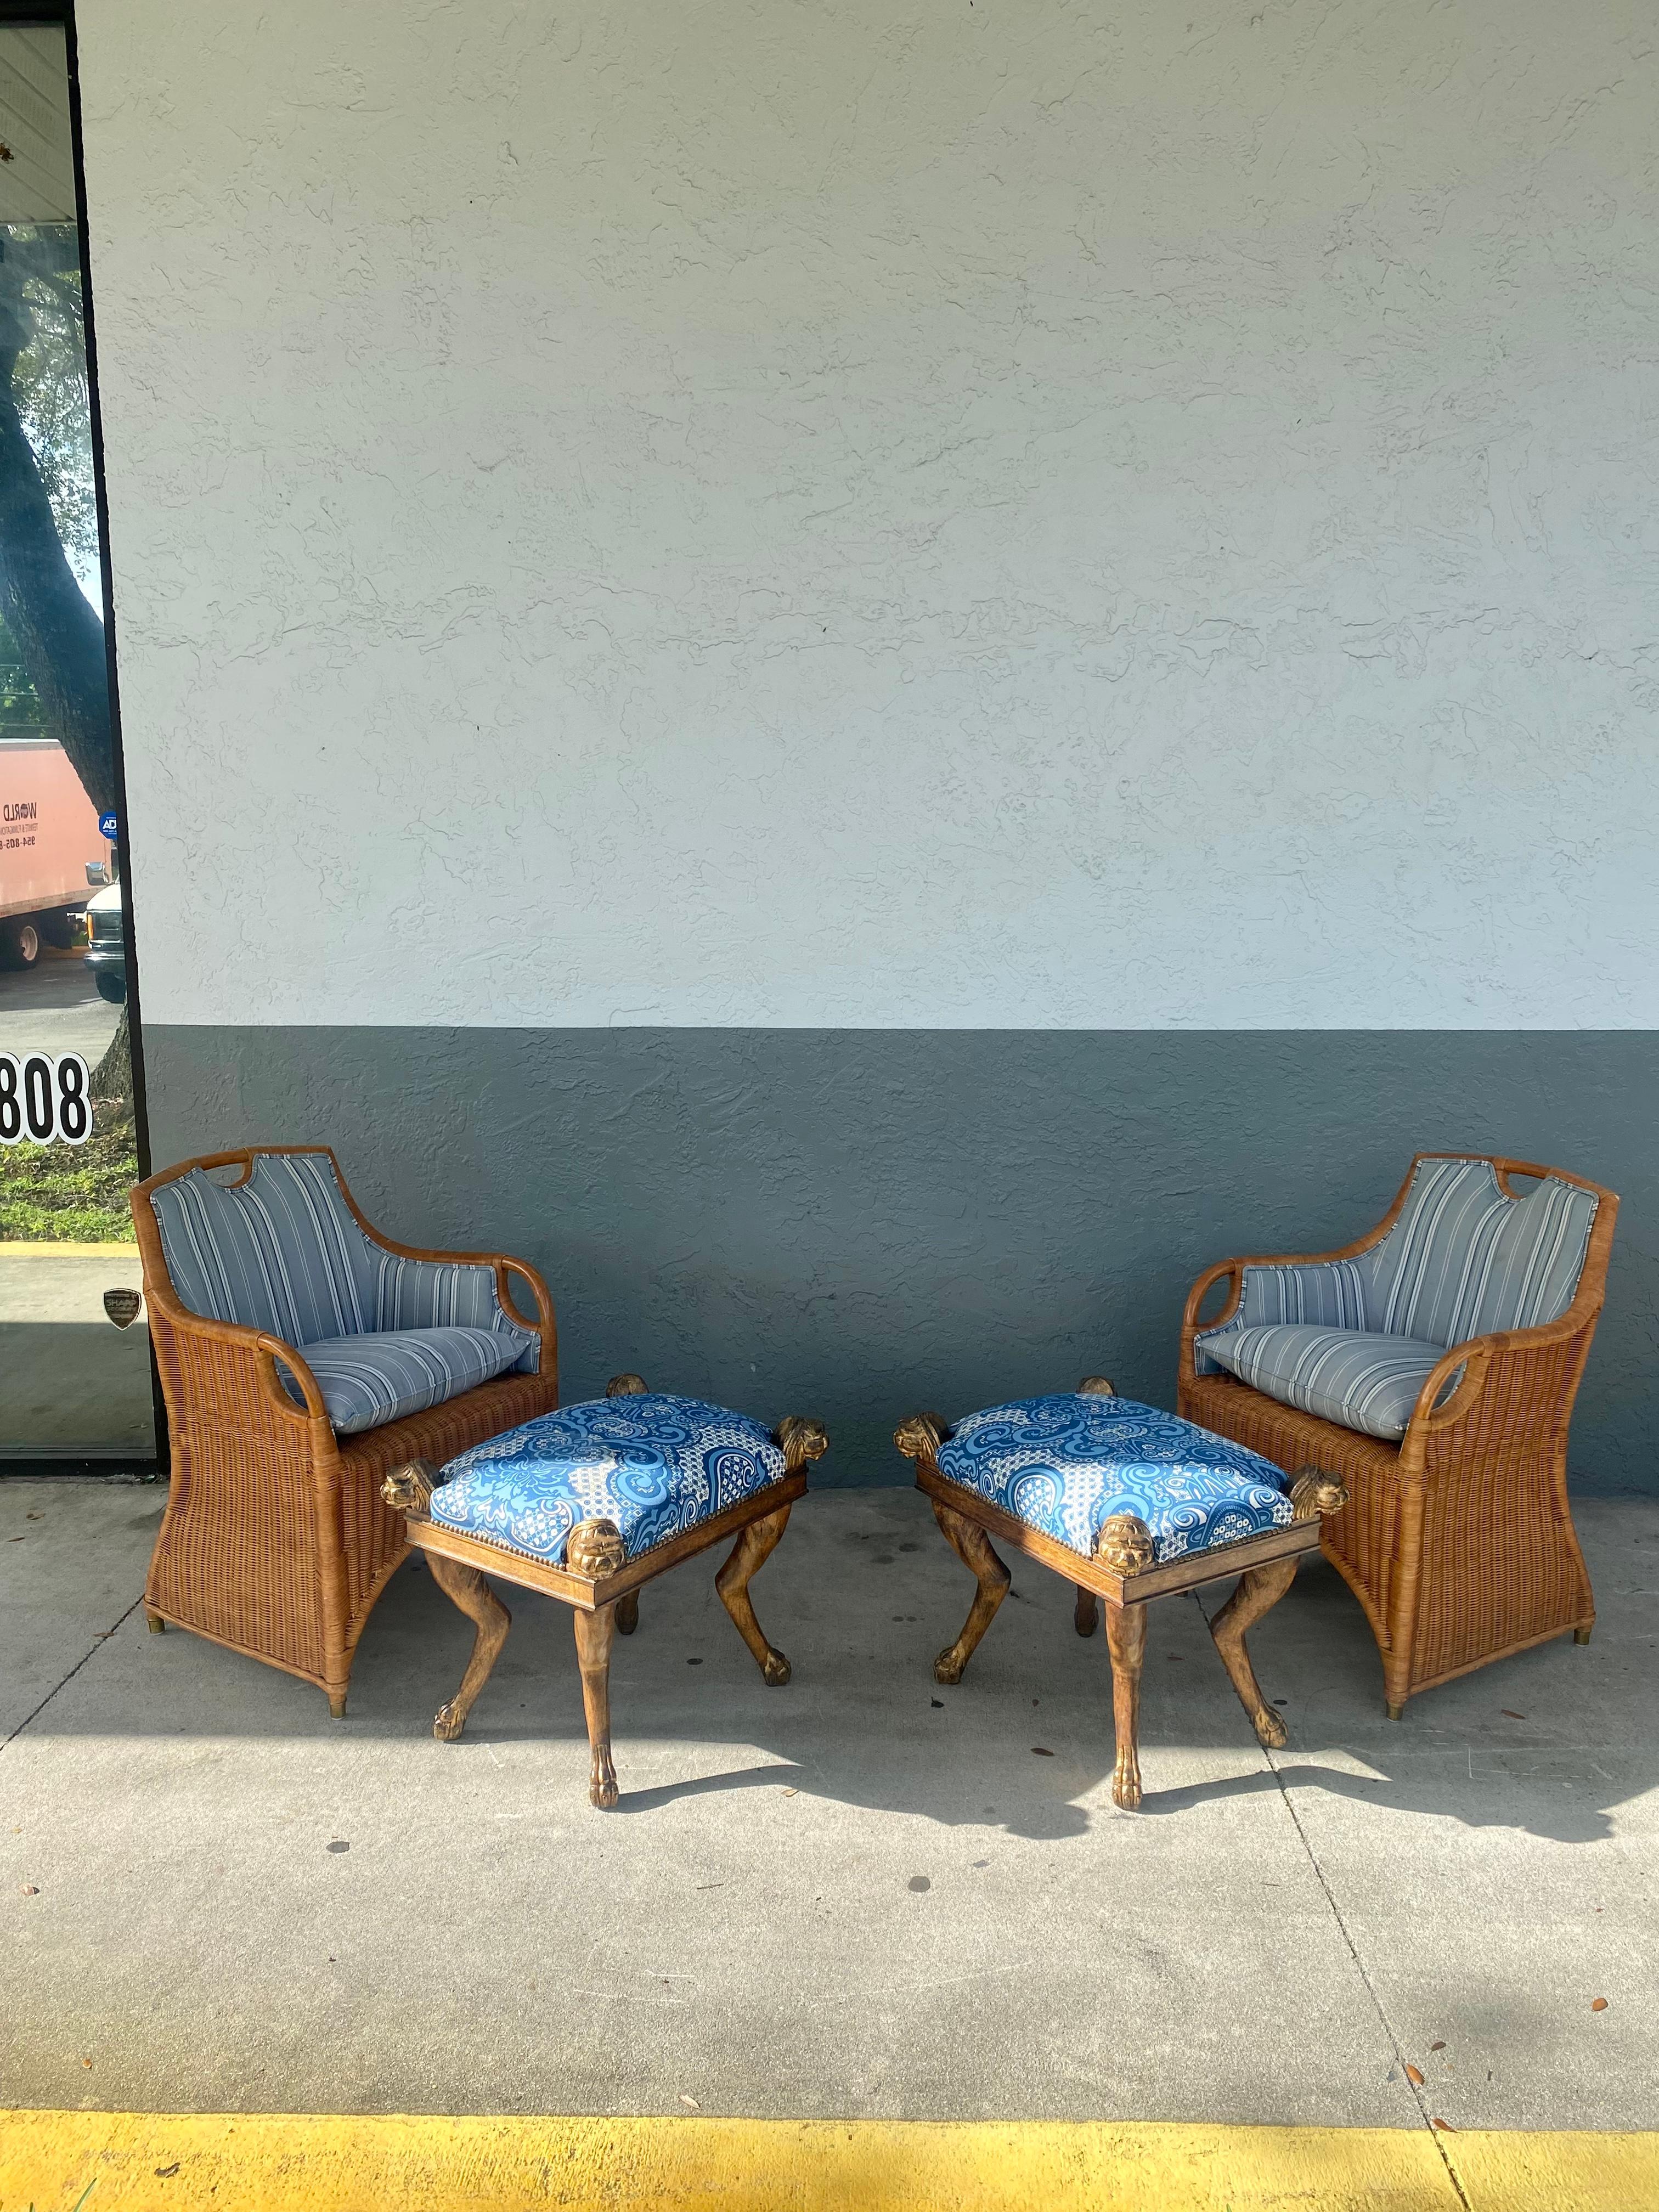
698	584
759	514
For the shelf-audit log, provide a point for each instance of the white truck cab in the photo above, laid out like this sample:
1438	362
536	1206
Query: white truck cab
107	942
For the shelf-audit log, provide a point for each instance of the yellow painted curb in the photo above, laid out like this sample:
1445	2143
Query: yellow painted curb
260	2162
1504	2170
19	1248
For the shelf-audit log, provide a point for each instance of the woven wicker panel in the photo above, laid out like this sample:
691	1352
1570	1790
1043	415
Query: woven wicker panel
1484	1535
237	1554
373	1531
1495	1506
1361	1539
247	1550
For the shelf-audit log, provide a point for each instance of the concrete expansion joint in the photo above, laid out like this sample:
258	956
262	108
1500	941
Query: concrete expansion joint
1408	2072
99	1640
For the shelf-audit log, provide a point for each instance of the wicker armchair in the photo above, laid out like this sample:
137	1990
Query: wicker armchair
276	1540
1459	1541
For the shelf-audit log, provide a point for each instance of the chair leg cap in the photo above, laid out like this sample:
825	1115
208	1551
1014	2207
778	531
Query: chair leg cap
1581	1636
1396	1712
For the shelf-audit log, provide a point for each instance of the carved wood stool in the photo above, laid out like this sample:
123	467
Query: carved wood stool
1053	1477
672	1476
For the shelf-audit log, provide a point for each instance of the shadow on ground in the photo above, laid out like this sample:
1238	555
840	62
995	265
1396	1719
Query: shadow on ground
863	1593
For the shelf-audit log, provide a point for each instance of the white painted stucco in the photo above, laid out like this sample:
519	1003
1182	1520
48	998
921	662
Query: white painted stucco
831	512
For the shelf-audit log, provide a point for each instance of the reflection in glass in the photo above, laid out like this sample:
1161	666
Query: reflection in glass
71	1383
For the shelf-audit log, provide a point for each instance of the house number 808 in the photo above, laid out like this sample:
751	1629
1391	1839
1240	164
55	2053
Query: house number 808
43	1097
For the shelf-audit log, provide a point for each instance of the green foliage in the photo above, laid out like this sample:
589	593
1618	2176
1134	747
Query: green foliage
19	708
70	1193
49	384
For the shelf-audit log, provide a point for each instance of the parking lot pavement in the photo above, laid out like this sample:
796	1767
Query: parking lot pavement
857	1896
55	1008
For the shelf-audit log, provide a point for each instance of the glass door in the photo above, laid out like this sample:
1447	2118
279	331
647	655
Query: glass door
75	1373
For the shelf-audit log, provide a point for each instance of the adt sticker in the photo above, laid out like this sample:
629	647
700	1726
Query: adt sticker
109	828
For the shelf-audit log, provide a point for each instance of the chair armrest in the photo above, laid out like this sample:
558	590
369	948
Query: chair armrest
543	1322
501	1265
1488	1362
271	1349
1190	1323
1306	1287
229	1372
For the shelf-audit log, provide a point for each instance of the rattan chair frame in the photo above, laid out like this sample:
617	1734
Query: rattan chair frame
1458	1541
276	1540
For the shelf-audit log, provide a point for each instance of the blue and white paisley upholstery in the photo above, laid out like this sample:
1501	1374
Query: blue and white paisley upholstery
380	1376
1462	1259
284	1254
654	1465
1065	1463
1344	1375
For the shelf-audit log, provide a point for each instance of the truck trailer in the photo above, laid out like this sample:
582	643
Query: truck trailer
50	848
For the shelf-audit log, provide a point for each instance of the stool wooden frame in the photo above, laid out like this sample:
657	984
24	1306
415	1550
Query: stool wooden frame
1124	1577
599	1582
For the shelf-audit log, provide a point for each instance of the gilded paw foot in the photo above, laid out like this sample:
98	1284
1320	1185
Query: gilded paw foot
449	1722
947	1668
1270	1730
602	1782
1126	1784
775	1668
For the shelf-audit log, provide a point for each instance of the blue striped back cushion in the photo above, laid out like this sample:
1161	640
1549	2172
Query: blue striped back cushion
1462	1259
1528	1274
1321	1293
434	1294
281	1253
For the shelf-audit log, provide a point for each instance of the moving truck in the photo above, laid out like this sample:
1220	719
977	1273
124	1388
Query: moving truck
50	848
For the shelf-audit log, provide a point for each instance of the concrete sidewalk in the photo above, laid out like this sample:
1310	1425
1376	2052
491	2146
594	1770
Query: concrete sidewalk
860	1895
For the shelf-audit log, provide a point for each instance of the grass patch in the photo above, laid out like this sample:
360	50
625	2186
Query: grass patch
70	1193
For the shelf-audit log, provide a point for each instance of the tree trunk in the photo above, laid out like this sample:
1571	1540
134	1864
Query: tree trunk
112	1079
59	634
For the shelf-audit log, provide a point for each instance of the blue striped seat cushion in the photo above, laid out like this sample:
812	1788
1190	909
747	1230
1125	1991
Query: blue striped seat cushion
1065	1463
653	1464
1348	1375
370	1379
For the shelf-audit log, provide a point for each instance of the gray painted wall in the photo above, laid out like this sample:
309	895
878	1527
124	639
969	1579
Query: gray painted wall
860	1222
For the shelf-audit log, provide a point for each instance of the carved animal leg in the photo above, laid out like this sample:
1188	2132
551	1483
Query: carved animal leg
754	1546
973	1547
628	1613
595	1631
1126	1634
1088	1611
1258	1590
466	1588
